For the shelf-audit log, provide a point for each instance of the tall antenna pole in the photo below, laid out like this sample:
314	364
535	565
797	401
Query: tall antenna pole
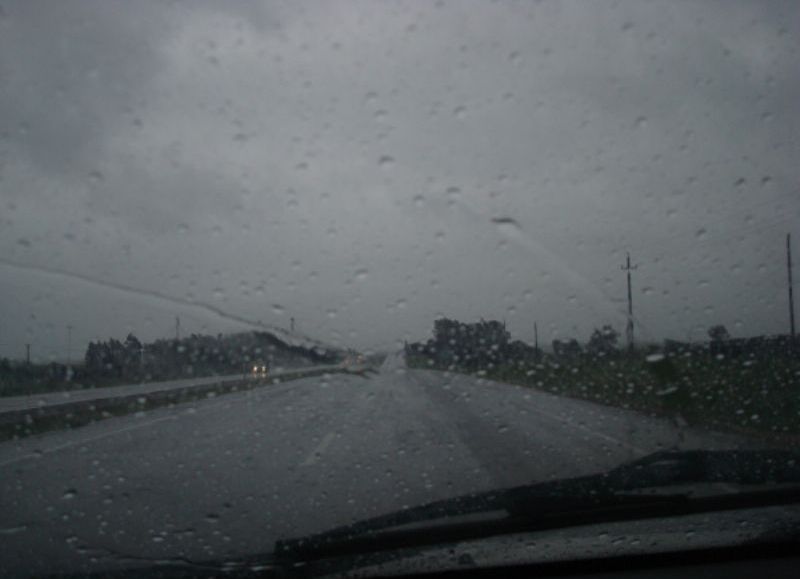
28	354
629	330
536	337
69	344
177	328
293	324
791	293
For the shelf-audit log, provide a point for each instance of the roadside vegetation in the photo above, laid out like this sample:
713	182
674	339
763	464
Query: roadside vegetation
750	386
114	362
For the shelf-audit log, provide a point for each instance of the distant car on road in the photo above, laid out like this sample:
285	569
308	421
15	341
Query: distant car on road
259	369
354	360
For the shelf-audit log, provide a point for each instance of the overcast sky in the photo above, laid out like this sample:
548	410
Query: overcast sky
368	166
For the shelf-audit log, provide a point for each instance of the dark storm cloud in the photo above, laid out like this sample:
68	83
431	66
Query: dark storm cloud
73	70
366	166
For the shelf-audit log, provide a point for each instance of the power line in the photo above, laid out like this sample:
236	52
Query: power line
721	237
69	344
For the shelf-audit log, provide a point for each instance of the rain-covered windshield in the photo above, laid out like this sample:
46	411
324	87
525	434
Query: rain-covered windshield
274	268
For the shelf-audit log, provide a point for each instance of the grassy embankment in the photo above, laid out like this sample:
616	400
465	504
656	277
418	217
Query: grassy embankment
758	396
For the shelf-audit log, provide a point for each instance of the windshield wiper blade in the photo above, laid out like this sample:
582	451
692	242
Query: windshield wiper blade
607	497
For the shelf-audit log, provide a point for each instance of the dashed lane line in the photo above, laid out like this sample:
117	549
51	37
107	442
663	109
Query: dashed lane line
316	454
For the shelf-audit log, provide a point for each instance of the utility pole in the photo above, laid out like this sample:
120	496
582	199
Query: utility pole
536	337
791	292
292	322
629	330
177	328
28	354
69	344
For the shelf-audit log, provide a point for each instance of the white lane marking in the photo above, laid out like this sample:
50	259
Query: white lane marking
208	406
317	452
85	440
591	431
360	402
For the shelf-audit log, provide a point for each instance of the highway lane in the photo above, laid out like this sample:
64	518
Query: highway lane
226	477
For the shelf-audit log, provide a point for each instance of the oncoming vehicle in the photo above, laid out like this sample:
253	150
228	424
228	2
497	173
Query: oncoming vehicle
259	369
354	360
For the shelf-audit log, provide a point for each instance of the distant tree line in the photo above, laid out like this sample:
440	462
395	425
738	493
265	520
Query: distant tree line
722	344
195	355
20	378
603	342
475	346
113	361
485	345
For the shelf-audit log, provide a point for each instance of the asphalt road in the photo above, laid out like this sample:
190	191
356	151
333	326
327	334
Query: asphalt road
228	476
